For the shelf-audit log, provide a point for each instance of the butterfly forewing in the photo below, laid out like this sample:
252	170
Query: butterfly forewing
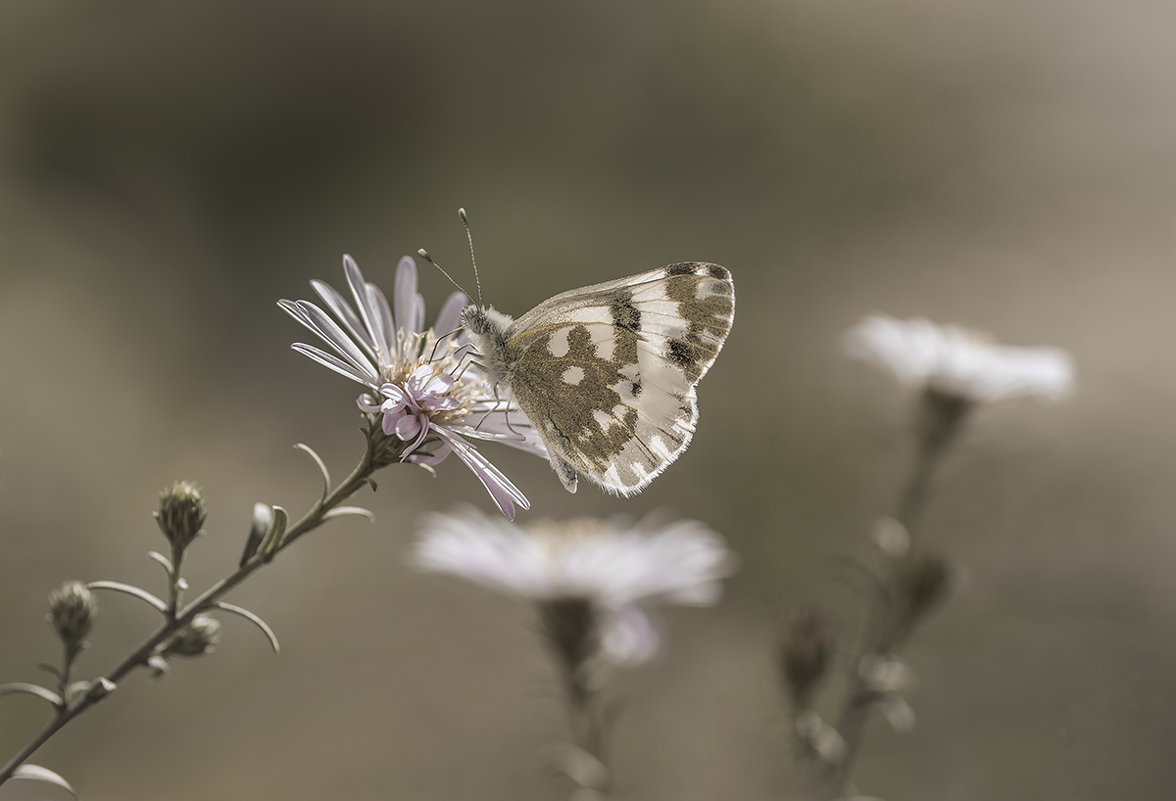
607	372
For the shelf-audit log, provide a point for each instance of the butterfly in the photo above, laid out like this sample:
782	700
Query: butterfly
607	373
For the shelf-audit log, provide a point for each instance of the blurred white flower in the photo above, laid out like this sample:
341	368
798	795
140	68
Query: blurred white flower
428	393
616	568
959	363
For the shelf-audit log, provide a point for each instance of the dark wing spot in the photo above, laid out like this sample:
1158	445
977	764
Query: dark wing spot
636	389
580	344
718	272
686	268
625	314
680	353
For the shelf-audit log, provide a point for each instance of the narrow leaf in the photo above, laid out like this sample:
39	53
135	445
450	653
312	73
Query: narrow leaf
255	620
326	474
277	531
31	689
342	511
127	589
156	556
50	669
263	520
40	774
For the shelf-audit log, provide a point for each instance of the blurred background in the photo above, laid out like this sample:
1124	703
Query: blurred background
169	170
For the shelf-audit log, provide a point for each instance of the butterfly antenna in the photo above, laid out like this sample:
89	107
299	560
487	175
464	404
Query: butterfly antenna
469	238
424	254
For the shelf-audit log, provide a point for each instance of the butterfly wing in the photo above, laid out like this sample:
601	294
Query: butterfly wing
608	372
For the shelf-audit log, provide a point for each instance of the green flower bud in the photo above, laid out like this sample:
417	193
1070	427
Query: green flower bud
181	514
195	639
72	609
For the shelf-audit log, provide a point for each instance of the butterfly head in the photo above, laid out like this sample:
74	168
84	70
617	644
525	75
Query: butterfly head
489	331
485	322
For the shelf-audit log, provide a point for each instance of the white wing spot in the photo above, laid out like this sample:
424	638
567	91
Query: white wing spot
573	376
606	422
559	342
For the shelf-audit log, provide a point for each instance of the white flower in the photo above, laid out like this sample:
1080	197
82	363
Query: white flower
616	568
959	363
429	394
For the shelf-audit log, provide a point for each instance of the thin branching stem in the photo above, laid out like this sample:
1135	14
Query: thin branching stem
881	633
182	617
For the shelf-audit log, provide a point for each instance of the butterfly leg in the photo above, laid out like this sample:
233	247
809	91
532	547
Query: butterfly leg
567	474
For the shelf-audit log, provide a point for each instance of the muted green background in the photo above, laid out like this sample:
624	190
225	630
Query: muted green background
168	170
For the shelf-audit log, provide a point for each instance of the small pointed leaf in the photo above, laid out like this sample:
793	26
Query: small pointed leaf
581	767
255	620
898	713
32	689
50	669
263	521
326	474
76	689
100	688
40	774
277	531
824	740
128	589
157	665
163	560
342	511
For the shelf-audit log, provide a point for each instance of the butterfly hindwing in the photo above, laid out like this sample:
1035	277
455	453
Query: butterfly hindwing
607	372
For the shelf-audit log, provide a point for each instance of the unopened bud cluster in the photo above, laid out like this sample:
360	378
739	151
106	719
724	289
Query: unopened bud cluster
195	639
72	610
807	639
181	514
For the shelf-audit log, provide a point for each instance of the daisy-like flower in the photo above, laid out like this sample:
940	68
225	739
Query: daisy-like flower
592	579
959	364
424	391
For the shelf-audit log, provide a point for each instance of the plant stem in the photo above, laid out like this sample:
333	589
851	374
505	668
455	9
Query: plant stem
310	521
942	420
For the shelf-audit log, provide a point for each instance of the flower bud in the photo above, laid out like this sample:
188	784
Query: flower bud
72	609
195	639
181	514
806	649
923	584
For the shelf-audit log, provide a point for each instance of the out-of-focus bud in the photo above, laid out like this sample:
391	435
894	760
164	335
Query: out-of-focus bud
195	639
923	584
807	639
72	609
181	514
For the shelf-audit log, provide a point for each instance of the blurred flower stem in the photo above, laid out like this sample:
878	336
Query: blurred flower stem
889	619
572	632
176	621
